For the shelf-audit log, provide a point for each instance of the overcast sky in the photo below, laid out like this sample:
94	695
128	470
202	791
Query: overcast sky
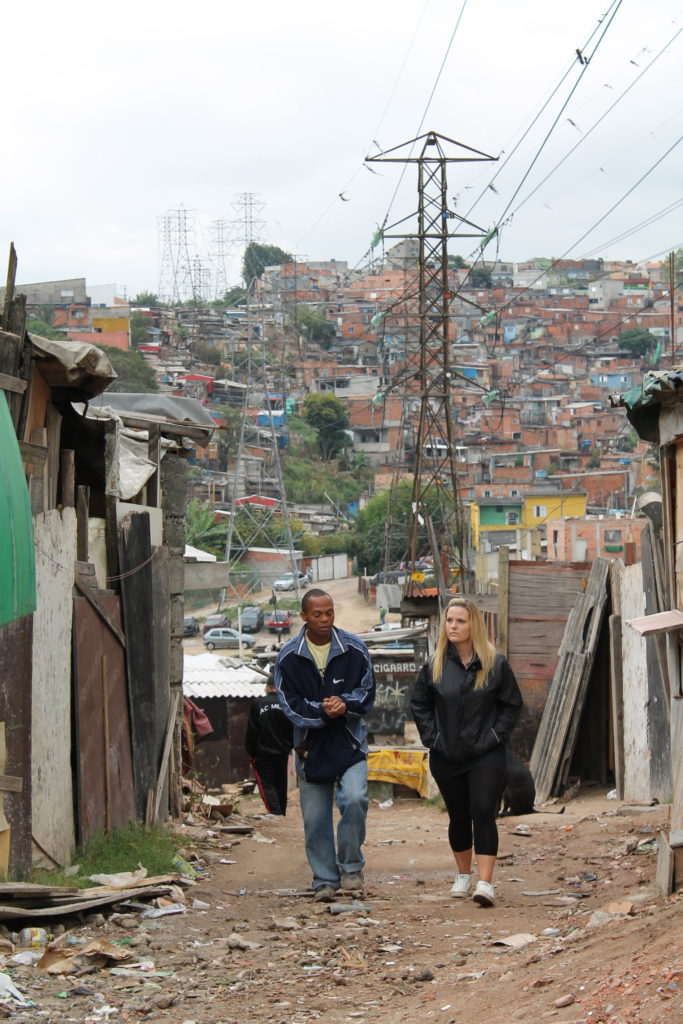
116	114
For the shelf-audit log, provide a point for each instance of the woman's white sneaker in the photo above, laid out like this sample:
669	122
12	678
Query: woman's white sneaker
461	886
484	894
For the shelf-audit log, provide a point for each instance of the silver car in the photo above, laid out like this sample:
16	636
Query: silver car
226	637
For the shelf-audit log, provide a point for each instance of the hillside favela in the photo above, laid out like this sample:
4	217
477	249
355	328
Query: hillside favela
341	597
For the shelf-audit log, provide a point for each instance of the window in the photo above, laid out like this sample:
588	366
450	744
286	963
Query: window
540	511
487	494
514	494
511	518
612	536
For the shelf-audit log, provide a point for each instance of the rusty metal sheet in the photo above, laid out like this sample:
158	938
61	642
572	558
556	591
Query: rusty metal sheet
105	797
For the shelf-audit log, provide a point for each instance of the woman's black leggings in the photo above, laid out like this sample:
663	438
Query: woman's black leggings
472	800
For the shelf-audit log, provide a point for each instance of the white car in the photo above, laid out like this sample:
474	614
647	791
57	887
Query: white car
288	581
226	637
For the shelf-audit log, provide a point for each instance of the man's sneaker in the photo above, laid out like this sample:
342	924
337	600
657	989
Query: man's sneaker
461	886
352	881
484	894
324	894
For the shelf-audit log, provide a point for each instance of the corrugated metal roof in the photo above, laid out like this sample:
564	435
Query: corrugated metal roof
209	675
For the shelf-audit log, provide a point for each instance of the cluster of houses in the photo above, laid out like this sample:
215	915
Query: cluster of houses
549	467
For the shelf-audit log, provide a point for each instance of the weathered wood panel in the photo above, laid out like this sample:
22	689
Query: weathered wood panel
637	751
555	742
135	555
103	765
15	712
51	772
541	596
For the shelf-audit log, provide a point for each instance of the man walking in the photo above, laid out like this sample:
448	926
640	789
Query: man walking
326	685
268	741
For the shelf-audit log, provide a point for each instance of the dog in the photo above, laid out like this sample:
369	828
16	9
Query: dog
519	791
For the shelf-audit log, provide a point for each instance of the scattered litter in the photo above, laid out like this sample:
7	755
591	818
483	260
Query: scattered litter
346	908
551	931
200	905
236	941
170	908
27	957
261	839
184	866
515	941
541	892
122	878
386	804
521	830
32	938
391	947
612	795
286	924
224	860
10	990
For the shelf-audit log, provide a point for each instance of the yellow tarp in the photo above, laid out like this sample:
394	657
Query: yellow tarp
400	766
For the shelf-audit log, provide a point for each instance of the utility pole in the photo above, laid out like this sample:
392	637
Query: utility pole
435	482
177	231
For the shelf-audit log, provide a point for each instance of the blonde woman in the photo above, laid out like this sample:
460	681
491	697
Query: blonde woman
465	703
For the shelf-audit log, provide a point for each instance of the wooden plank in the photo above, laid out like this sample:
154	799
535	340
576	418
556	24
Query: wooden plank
67	478
95	600
38	486
9	285
14	384
617	702
503	600
82	513
660	622
135	555
664	878
165	757
11	784
35	454
557	732
154	455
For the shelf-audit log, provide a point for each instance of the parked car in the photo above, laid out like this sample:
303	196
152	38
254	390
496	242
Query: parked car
288	581
389	576
215	622
383	627
226	637
280	621
251	619
191	626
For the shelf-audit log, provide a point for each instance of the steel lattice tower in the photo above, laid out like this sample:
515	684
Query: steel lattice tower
218	234
247	227
177	229
435	451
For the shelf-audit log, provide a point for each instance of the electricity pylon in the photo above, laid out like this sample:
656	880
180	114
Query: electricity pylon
435	483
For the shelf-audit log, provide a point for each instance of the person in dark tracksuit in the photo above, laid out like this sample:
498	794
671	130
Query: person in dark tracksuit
268	741
326	686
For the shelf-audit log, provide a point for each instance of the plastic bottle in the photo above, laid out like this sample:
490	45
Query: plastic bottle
33	938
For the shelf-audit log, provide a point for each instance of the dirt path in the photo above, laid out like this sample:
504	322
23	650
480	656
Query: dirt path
253	947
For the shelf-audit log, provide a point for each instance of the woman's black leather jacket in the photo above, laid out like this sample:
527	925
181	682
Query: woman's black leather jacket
458	721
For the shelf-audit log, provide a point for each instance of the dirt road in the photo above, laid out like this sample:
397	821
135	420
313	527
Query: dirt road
574	890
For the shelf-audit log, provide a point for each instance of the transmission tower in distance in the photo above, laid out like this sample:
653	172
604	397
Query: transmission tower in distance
177	232
435	482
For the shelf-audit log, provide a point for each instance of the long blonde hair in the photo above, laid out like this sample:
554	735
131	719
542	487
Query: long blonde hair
483	647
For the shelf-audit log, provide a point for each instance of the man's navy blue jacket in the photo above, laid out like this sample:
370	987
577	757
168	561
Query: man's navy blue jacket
325	746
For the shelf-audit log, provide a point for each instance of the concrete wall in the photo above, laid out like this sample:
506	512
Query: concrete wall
51	776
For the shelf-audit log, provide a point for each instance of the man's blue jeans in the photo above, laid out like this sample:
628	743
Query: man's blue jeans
317	807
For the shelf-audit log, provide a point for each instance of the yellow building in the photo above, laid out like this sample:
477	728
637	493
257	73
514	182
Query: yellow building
540	506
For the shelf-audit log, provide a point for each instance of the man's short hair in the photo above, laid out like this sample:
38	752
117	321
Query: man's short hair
316	592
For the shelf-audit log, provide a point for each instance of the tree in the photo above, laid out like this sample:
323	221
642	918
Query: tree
228	434
479	277
234	296
145	299
133	373
312	323
204	530
139	329
327	415
258	256
637	341
43	329
457	263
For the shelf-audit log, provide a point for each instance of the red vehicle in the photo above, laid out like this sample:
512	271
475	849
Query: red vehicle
215	622
280	622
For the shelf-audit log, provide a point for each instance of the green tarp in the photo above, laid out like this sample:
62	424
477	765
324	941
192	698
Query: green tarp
17	556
